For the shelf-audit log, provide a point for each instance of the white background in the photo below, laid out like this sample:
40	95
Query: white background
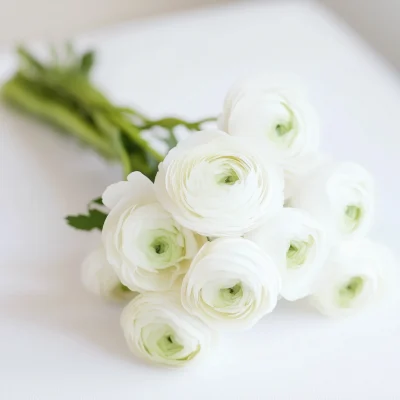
53	20
376	20
58	342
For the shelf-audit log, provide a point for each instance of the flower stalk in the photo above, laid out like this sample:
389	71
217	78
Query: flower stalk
61	93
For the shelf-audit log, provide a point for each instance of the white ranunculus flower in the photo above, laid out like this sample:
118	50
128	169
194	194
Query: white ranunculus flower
358	273
158	329
276	109
99	277
219	185
231	284
146	247
299	247
340	196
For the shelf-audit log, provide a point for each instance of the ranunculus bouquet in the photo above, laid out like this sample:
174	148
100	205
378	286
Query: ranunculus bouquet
232	220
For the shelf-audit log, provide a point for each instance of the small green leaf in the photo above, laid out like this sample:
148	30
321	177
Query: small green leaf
93	220
98	200
87	62
29	59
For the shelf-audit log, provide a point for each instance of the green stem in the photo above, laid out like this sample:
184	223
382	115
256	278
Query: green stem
61	92
171	123
111	131
134	133
19	94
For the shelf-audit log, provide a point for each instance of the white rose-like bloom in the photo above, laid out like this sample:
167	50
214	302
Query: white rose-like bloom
146	247
99	277
158	329
358	273
231	284
340	196
298	245
219	185
276	109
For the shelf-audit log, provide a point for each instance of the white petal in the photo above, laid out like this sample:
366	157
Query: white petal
258	107
145	246
231	284
192	188
358	274
290	228
99	277
154	319
137	187
327	192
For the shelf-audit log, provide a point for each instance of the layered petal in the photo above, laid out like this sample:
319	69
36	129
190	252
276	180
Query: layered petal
158	329
357	274
340	196
231	284
99	277
274	108
218	185
146	247
299	246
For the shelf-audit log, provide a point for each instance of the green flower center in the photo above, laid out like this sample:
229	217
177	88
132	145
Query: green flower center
168	345
284	132
282	129
161	340
352	217
297	252
160	245
350	291
162	248
229	296
229	177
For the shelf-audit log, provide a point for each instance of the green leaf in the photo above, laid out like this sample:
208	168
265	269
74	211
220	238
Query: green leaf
93	220
98	200
26	57
87	62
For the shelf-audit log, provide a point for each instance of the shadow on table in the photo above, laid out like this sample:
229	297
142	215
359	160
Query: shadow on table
71	313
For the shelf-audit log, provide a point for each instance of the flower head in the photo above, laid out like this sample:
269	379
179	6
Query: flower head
358	273
231	284
273	108
340	196
299	246
146	247
158	329
218	185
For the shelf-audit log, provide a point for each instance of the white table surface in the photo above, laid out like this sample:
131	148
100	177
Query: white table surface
58	342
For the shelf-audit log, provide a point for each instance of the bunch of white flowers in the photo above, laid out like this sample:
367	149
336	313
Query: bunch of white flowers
237	218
